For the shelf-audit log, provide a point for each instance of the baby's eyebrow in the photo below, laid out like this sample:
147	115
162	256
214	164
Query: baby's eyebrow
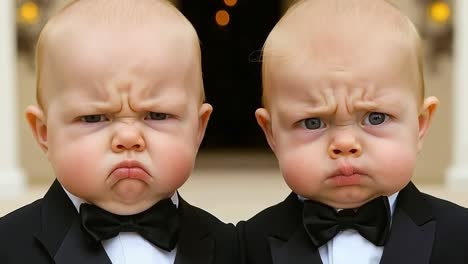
389	104
365	105
320	110
95	106
329	109
163	101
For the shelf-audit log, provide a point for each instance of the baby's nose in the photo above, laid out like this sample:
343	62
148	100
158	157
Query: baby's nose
344	145
128	137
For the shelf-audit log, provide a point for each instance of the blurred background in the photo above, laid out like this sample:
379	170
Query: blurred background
236	174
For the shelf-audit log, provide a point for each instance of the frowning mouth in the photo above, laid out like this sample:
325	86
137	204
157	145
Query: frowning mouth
129	169
346	175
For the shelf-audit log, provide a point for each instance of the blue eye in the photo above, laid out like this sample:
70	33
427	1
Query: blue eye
93	118
375	118
312	123
157	116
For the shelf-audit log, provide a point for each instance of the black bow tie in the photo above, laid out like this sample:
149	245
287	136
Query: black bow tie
371	220
158	224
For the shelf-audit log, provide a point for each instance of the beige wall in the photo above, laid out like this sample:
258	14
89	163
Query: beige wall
430	168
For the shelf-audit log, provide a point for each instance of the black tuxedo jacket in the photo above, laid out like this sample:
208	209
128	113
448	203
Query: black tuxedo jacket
49	231
424	230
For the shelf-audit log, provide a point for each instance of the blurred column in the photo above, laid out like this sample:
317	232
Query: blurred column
457	173
12	180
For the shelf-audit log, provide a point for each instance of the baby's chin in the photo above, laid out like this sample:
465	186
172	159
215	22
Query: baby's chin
349	204
128	196
344	199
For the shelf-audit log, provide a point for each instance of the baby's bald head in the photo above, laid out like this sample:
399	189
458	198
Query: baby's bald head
321	30
158	17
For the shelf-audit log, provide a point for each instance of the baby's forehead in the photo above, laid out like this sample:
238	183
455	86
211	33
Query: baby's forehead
116	25
339	32
91	37
122	15
120	12
308	14
327	24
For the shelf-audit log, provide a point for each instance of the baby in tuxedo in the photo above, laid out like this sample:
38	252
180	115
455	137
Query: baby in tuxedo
345	113
120	117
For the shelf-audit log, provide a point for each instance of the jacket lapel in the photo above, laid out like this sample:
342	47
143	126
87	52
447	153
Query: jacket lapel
75	248
196	245
298	250
61	233
413	230
290	243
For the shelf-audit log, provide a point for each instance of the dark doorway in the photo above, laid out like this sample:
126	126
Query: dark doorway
231	67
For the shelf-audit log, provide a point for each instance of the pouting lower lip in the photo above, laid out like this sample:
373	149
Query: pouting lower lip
135	173
130	164
129	169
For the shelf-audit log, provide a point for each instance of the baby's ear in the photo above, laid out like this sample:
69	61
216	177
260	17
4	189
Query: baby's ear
264	121
36	119
203	117
425	117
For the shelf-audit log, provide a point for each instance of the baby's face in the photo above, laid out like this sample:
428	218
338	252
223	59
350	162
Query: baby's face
345	123
124	117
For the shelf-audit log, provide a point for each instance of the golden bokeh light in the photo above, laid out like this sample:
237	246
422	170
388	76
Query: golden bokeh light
439	12
29	12
230	3
222	18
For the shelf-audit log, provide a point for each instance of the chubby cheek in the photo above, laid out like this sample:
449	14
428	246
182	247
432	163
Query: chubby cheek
393	166
78	166
173	162
301	171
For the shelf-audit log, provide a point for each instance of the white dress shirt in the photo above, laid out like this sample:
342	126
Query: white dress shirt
349	247
130	247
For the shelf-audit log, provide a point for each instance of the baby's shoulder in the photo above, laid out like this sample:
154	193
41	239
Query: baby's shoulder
18	227
224	234
446	211
22	217
195	216
276	217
